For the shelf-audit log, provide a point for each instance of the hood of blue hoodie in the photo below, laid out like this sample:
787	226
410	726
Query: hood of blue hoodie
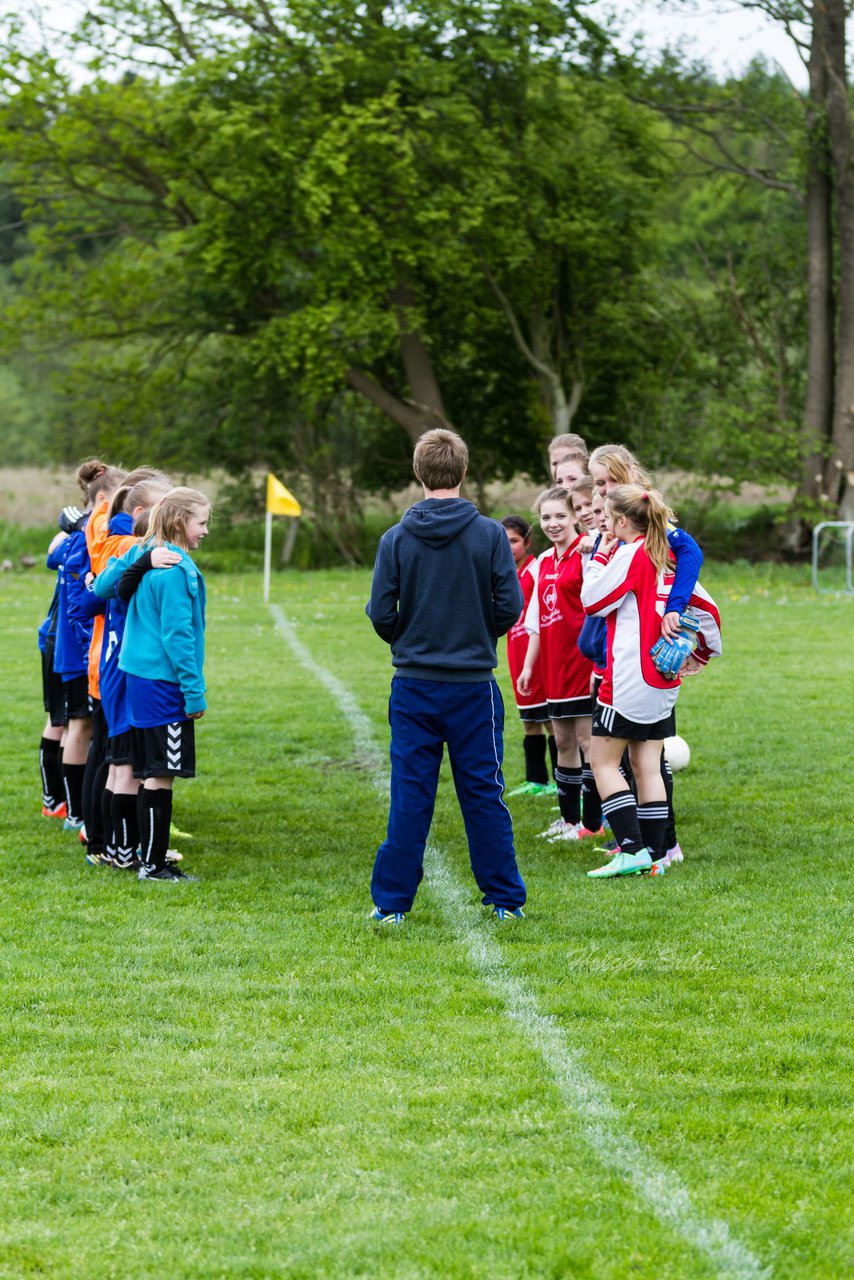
437	521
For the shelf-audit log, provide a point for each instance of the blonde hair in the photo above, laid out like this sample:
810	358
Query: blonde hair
557	493
649	513
621	464
441	459
141	488
169	516
568	441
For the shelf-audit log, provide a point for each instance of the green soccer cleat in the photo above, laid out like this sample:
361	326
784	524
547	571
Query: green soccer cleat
175	833
530	789
623	864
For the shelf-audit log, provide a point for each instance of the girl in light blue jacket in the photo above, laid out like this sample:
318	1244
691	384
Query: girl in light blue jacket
162	655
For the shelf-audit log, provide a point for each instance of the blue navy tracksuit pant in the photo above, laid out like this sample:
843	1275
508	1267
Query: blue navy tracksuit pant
424	715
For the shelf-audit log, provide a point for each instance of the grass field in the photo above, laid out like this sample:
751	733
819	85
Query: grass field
242	1078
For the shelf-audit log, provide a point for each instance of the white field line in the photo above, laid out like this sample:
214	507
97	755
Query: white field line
658	1188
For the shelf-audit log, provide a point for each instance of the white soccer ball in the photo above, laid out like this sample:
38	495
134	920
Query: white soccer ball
677	753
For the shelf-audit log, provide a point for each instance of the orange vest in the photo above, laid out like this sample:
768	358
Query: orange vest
102	545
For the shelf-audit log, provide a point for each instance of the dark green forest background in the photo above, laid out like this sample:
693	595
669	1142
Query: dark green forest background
295	235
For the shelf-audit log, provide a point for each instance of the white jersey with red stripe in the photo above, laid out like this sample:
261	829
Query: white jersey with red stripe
701	604
624	588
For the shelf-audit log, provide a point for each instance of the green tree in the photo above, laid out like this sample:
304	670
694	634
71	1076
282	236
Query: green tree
302	199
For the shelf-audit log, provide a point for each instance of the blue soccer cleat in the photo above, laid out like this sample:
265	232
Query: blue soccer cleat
501	915
387	917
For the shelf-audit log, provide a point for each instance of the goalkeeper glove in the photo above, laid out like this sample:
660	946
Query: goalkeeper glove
668	655
72	519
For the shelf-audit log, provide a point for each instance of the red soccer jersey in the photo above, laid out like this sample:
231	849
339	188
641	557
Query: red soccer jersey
557	614
517	641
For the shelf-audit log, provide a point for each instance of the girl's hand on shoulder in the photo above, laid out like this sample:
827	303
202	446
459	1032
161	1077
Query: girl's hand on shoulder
585	546
163	558
195	715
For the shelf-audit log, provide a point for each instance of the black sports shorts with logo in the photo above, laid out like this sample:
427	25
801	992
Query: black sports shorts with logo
164	751
608	723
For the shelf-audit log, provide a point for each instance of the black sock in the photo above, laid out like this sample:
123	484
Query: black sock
73	776
53	792
126	827
534	745
591	803
553	755
154	828
670	834
652	819
626	771
107	821
569	793
621	810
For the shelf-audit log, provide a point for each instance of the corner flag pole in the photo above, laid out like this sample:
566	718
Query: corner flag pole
280	502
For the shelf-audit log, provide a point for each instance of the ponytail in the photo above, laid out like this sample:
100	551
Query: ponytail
649	513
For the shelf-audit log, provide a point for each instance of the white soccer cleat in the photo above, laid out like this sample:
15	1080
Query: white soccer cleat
569	831
550	832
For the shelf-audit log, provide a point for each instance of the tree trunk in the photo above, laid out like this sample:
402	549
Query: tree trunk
839	467
417	362
818	406
409	416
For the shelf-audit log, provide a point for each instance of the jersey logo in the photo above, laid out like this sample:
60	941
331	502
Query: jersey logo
550	597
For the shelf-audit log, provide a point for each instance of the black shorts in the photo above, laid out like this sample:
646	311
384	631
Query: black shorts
538	714
53	691
608	723
164	751
570	708
77	704
119	749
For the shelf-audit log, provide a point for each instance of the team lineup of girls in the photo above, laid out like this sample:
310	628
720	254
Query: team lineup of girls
123	655
614	618
122	665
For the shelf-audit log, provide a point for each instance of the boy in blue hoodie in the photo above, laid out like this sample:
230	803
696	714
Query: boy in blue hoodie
444	589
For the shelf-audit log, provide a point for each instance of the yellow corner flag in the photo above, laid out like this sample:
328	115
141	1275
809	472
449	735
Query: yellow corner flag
280	501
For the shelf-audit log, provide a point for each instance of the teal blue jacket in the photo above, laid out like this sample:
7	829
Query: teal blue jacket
165	631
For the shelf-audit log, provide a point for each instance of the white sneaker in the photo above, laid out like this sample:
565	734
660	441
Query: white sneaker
552	831
569	831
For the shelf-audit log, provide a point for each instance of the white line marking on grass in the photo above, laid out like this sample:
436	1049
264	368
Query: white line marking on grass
659	1189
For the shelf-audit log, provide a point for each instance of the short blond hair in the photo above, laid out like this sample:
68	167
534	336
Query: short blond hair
568	441
169	516
441	459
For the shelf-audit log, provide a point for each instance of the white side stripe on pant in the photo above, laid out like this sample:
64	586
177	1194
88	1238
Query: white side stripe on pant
664	1195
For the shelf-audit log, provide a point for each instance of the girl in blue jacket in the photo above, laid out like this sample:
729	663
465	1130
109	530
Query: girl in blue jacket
162	655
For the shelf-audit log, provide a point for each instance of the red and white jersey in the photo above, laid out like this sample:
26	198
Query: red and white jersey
626	589
555	613
518	637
